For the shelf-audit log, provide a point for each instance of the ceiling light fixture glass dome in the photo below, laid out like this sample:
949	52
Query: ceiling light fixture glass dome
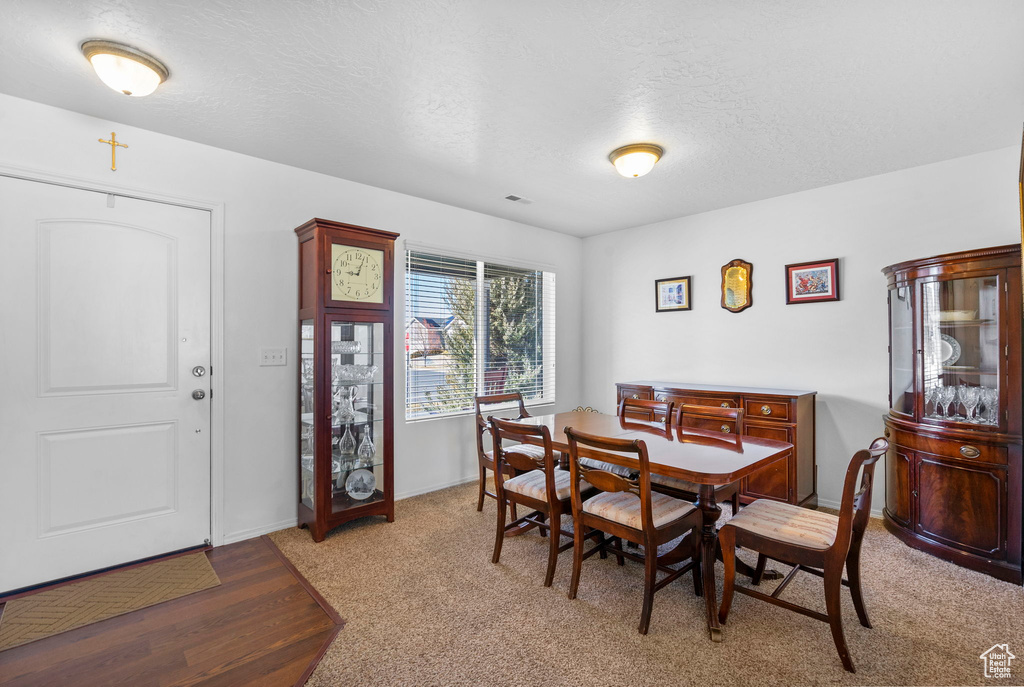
637	159
124	68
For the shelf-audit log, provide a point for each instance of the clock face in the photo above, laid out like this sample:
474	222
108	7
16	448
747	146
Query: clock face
357	274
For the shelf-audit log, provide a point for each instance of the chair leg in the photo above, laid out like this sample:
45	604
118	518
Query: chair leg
736	502
618	557
555	540
650	579
833	585
577	558
853	574
727	540
542	517
499	535
483	487
762	560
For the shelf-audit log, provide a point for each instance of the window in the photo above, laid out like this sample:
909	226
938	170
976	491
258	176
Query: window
475	327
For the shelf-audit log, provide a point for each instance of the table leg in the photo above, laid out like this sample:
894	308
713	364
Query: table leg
710	512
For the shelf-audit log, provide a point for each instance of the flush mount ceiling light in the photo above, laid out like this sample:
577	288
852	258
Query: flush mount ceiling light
124	68
637	159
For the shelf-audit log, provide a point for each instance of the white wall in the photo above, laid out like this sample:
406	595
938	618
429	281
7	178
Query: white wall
835	348
263	202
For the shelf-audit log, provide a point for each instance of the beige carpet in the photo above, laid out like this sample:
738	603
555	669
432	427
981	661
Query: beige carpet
425	606
64	608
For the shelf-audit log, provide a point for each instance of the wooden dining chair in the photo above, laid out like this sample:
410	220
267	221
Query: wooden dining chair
627	509
538	485
629	408
816	542
721	421
484	452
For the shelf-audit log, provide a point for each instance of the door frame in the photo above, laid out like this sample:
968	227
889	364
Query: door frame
216	210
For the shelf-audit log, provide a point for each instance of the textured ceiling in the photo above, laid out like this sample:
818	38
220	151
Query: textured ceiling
465	102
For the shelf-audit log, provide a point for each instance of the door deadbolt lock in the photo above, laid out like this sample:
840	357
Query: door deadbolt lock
198	370
199	394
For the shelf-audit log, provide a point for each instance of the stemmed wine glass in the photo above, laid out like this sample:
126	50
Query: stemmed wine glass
931	397
945	396
970	395
990	398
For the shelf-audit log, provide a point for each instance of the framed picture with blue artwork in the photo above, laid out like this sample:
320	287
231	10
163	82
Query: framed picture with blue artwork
812	282
672	294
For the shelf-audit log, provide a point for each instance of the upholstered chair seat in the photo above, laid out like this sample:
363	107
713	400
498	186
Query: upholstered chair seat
532	484
624	507
788	523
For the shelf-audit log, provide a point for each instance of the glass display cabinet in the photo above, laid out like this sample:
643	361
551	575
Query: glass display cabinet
346	337
953	473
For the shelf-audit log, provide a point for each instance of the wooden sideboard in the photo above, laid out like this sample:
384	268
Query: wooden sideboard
782	414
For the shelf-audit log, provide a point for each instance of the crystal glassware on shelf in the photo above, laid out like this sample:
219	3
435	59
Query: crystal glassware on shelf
366	451
990	399
969	395
931	399
346	347
353	375
347	444
344	404
945	397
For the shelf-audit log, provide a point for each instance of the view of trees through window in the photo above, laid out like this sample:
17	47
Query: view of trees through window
475	327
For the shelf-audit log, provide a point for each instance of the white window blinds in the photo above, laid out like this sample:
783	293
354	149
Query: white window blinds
475	327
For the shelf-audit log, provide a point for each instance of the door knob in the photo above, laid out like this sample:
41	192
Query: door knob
199	394
198	370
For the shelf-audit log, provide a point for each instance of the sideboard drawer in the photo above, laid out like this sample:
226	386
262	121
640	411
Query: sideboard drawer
642	392
713	401
766	408
713	424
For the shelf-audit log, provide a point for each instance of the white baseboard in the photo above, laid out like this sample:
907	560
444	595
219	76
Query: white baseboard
259	531
435	487
254	532
828	503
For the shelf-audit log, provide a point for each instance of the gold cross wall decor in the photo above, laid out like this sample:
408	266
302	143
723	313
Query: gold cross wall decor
113	149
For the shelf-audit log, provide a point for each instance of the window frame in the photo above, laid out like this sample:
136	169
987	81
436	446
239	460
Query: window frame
546	322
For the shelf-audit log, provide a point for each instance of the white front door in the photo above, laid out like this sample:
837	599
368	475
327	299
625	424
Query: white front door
104	313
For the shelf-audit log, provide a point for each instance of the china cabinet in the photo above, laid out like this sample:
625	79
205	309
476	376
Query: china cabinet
346	344
953	471
780	414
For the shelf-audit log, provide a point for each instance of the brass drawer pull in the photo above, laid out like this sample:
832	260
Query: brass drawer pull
766	410
726	428
886	432
969	452
636	396
725	404
661	398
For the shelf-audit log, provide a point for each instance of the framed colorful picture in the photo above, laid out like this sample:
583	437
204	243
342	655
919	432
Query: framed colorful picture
812	282
672	294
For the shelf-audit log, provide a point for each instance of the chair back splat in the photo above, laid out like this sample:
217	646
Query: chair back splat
655	411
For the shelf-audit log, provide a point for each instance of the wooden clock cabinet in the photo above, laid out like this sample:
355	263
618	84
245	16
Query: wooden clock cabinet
953	471
346	374
781	414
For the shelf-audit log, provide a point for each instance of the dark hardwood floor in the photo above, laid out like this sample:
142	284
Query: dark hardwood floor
262	626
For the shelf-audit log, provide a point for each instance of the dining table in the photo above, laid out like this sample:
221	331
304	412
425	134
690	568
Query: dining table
706	458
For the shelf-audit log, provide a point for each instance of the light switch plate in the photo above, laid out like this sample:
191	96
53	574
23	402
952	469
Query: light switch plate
273	356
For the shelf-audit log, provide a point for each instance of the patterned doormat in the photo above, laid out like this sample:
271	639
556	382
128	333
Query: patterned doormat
64	608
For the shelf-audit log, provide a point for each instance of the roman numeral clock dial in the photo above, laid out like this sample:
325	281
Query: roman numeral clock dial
357	274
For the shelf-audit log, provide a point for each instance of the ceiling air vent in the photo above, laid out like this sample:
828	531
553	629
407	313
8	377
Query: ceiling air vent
518	199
